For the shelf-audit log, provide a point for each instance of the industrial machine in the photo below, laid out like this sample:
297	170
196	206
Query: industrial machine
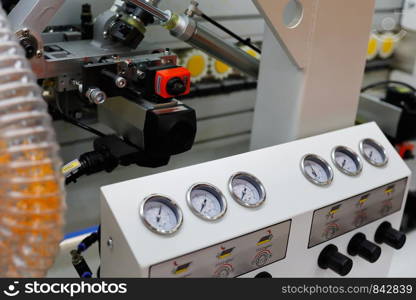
99	70
320	206
92	72
393	110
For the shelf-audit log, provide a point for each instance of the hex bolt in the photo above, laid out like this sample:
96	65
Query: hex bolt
25	32
110	242
120	82
78	115
96	96
140	74
78	84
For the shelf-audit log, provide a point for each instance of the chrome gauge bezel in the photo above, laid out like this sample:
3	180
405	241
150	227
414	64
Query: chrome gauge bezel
378	147
171	204
254	181
353	155
327	167
212	190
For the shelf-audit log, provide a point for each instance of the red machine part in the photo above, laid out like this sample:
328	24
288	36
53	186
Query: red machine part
173	82
405	149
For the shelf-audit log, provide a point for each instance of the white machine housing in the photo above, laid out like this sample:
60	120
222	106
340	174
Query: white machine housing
130	249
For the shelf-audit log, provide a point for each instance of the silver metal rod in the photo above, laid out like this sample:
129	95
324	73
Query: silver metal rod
198	36
150	7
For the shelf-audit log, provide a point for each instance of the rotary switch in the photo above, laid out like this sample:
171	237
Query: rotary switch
359	245
390	236
334	260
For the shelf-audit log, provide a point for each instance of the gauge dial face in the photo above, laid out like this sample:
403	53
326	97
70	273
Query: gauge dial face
160	214
373	152
247	190
317	170
206	201
347	161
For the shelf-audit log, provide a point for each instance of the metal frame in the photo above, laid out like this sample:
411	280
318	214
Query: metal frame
357	160
309	82
327	166
213	190
172	204
33	16
379	148
254	181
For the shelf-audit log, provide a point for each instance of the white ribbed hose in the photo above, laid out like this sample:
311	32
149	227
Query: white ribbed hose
31	185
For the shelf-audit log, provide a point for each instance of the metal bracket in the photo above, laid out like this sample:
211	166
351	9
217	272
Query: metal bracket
311	70
34	14
295	39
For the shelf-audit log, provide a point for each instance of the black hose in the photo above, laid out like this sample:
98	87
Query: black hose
386	83
246	42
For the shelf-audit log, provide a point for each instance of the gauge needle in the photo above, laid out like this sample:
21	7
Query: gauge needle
158	216
203	204
313	172
371	154
343	163
244	193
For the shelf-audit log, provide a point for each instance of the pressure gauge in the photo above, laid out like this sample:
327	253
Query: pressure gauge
206	201
247	190
161	214
347	161
317	170
373	152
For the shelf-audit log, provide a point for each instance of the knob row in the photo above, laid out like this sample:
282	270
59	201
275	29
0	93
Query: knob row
331	258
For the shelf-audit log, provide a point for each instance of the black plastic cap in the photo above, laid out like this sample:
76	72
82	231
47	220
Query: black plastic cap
388	235
359	245
29	47
331	259
176	86
263	275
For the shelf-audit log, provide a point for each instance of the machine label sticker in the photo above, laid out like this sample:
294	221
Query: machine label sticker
181	269
265	239
337	219
231	258
225	253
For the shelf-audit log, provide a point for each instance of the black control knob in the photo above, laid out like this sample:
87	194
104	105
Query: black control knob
359	245
332	259
176	86
263	275
390	236
29	47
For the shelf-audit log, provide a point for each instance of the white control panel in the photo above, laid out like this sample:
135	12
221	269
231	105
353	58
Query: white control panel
322	206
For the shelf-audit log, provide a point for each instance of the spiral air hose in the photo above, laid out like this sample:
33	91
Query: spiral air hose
31	185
